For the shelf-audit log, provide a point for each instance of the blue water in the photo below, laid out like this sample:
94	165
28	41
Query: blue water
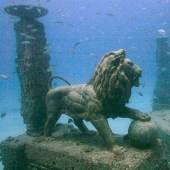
98	27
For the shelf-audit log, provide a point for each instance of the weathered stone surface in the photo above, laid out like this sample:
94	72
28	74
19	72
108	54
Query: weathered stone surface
32	63
69	149
103	97
161	97
143	134
162	120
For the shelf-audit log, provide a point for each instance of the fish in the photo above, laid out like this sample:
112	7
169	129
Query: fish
30	7
109	14
98	13
30	37
23	34
59	10
46	52
39	10
47	45
70	25
29	26
164	69
51	68
3	114
34	30
25	42
162	32
140	94
2	11
12	22
167	94
142	84
143	9
155	97
59	22
4	76
77	44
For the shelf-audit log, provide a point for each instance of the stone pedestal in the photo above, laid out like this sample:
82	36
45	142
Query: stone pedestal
73	151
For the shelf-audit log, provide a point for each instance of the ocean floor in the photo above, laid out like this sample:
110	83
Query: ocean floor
11	125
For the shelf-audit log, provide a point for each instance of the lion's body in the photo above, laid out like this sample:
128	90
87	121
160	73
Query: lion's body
75	100
103	97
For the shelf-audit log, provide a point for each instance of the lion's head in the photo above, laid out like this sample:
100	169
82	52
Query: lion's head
114	77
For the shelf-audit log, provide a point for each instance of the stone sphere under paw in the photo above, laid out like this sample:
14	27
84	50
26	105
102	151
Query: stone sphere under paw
143	134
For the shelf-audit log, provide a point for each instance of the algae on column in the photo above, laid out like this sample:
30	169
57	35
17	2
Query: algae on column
32	64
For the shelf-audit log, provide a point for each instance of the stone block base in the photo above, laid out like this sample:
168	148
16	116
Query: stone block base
70	150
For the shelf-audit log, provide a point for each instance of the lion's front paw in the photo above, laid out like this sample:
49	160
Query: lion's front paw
143	117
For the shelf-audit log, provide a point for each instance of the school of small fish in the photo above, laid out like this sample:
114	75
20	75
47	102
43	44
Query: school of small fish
28	38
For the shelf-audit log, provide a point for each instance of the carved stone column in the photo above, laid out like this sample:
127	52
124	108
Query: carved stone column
32	63
161	94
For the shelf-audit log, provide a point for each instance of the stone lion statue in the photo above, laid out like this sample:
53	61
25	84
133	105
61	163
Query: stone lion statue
103	97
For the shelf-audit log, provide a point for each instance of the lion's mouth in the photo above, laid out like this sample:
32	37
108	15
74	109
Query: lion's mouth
136	81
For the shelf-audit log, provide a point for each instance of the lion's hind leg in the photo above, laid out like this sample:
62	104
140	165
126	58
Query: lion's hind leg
80	124
49	125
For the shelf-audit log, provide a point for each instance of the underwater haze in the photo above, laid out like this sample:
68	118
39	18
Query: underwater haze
79	33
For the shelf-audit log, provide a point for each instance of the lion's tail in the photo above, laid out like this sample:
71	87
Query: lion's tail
51	79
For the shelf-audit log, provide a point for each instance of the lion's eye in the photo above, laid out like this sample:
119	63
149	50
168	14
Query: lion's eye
130	63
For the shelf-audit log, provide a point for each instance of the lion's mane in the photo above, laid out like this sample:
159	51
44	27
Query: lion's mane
110	81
